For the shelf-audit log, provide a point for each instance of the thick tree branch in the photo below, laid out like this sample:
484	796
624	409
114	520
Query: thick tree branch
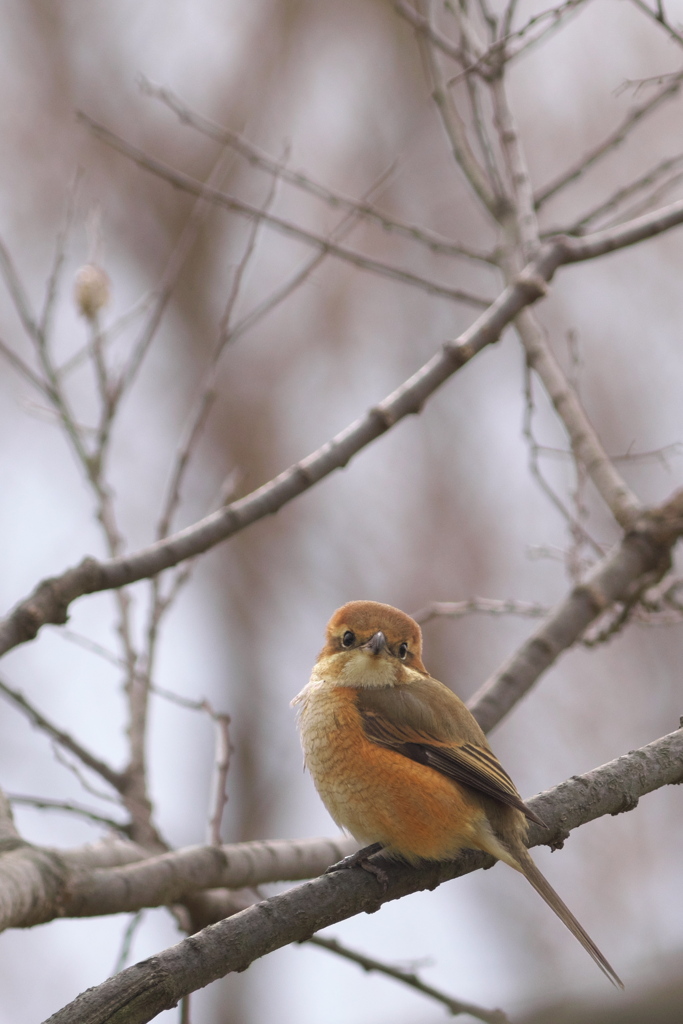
39	884
642	558
144	990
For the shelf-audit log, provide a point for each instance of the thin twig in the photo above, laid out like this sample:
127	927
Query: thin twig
264	307
363	209
611	204
586	445
611	141
25	371
17	291
410	978
455	129
221	768
108	336
54	278
60	736
479	606
188	184
658	17
67	807
435	38
197	419
575	564
172	271
75	769
575	525
481	128
647	202
127	941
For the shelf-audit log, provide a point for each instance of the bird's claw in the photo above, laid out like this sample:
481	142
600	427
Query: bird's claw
361	859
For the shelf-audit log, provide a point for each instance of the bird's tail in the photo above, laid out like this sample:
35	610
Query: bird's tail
545	889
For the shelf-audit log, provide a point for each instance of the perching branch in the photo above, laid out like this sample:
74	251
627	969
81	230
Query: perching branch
144	990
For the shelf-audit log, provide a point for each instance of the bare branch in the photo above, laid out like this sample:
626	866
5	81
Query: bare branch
25	371
410	978
188	184
67	807
127	941
52	287
436	38
575	525
456	131
172	877
522	191
628	570
51	598
586	445
231	945
49	601
220	779
170	276
363	209
619	197
611	141
60	736
478	605
658	16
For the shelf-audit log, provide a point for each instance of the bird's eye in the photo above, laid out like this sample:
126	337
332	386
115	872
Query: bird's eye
402	651
348	638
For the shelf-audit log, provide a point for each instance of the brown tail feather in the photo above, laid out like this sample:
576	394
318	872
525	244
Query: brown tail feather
544	889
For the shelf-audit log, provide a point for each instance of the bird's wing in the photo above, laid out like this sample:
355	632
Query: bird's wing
411	734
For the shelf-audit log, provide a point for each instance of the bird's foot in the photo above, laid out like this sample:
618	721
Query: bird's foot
361	859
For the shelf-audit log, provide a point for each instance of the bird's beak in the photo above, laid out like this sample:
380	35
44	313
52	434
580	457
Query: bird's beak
376	644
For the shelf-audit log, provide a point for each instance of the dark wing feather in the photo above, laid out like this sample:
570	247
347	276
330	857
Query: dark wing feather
466	763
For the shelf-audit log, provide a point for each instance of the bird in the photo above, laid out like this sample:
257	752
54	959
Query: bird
401	763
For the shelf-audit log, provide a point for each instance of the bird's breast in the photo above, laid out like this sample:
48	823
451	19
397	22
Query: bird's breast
378	795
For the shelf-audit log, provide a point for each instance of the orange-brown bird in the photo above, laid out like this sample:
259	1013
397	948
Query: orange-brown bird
399	761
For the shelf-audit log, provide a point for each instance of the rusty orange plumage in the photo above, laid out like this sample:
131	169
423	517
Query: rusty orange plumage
399	760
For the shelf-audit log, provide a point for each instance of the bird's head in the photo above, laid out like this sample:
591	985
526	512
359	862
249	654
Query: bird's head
371	645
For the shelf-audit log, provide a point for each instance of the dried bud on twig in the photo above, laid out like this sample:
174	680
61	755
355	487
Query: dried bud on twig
91	290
